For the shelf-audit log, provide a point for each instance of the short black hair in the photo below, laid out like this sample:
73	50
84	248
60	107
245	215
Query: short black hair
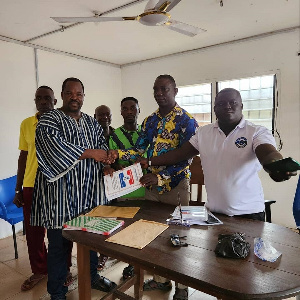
130	98
225	90
45	87
71	79
169	77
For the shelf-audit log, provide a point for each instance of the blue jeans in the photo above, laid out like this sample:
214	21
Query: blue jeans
57	264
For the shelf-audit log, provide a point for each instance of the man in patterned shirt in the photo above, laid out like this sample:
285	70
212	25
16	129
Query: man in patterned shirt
167	128
70	147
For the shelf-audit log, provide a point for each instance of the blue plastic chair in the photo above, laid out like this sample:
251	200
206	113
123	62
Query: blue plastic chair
296	206
8	211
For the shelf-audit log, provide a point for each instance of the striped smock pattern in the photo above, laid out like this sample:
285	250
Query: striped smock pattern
65	186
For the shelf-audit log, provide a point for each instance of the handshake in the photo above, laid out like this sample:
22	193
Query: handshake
110	156
99	155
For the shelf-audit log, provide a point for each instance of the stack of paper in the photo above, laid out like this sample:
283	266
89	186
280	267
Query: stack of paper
195	215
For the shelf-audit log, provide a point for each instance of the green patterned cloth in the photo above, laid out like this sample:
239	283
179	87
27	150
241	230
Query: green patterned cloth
124	139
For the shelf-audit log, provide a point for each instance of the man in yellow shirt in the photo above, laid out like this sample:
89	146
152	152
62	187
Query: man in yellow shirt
27	166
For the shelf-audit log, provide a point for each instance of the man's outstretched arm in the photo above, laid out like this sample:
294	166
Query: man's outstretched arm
267	153
185	152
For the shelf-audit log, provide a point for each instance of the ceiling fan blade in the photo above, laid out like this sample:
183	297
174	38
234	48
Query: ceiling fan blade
91	19
166	5
183	28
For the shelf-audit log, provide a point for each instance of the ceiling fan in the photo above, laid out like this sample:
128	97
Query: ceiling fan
156	13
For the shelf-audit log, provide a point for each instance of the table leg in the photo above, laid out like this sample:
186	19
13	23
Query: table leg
138	286
84	277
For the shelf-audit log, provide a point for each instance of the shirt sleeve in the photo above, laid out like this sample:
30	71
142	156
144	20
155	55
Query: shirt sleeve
194	139
55	155
169	171
23	145
263	136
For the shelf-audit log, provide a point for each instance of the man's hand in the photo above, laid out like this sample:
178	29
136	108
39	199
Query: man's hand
267	154
99	155
281	176
108	170
112	155
18	200
149	179
144	162
96	154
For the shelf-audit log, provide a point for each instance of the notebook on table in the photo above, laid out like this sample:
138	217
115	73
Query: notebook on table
93	224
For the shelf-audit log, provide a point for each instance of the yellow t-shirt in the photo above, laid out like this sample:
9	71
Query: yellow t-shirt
27	143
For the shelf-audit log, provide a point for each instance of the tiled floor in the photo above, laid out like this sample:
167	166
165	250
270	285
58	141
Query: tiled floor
14	271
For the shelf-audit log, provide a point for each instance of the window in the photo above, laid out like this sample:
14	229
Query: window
196	100
258	98
258	95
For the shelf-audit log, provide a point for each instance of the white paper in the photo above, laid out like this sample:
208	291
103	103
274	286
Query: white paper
196	215
123	181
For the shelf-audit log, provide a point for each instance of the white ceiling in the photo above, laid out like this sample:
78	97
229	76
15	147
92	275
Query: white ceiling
127	42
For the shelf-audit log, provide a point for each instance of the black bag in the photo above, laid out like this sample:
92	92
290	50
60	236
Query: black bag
232	246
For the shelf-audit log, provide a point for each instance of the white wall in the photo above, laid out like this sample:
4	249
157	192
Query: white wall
273	54
17	93
18	85
102	82
17	79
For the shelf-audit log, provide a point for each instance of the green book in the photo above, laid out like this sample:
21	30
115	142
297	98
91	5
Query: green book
93	224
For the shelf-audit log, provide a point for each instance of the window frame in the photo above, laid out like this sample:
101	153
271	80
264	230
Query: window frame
275	103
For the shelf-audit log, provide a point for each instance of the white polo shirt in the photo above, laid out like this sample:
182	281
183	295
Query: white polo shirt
231	167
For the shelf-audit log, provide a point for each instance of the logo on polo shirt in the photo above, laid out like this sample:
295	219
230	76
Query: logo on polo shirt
241	142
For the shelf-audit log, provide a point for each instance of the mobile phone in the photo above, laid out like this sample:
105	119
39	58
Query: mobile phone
283	165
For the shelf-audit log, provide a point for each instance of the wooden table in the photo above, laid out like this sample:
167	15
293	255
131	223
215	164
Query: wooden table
197	266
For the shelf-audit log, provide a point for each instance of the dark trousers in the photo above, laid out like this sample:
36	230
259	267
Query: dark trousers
58	251
257	216
35	235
